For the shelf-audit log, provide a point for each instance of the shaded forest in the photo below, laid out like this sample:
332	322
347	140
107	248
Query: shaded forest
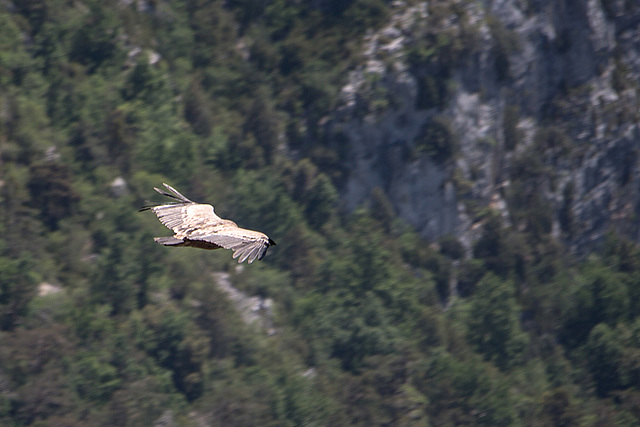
101	100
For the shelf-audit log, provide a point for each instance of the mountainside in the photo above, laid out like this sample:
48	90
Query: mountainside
452	186
539	100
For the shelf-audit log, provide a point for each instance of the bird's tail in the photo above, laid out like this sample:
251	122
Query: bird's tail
169	241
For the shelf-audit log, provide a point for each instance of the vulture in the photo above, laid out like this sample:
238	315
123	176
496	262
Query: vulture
196	225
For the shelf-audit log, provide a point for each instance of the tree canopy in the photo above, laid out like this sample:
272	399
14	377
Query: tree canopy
369	325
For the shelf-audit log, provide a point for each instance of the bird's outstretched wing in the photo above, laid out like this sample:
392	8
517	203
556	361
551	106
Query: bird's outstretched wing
246	244
196	225
184	216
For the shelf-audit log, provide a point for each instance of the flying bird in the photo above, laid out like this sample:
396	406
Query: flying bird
196	225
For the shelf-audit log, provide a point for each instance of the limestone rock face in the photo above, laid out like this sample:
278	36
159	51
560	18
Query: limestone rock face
506	86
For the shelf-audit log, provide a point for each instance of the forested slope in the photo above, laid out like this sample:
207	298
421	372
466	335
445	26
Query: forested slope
100	101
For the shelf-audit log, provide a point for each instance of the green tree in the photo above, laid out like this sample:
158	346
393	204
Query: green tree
96	40
52	192
262	121
320	201
494	328
382	209
18	283
93	378
604	350
197	109
15	62
169	337
34	376
464	391
558	407
143	81
598	296
437	139
121	277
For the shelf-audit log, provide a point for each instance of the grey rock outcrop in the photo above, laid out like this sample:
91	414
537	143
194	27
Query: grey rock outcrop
561	76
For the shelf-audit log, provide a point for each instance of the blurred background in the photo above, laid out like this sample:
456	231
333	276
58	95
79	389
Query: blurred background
453	187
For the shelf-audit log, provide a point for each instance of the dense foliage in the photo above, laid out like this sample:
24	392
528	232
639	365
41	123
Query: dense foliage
101	100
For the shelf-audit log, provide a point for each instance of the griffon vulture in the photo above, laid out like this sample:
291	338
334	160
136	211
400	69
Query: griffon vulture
196	225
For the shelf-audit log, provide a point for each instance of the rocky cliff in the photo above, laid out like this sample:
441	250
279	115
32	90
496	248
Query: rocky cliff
511	104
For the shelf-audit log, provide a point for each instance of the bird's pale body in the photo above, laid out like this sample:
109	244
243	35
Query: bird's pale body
197	225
